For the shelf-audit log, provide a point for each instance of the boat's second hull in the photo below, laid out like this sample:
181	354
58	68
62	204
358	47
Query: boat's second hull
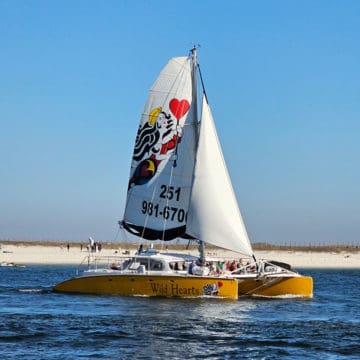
147	285
276	286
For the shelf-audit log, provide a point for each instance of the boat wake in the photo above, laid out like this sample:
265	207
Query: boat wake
26	290
40	290
281	297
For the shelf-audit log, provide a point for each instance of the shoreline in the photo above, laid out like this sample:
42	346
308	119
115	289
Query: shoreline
134	245
21	253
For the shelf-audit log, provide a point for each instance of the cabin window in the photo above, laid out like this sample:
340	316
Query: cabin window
144	262
179	266
155	265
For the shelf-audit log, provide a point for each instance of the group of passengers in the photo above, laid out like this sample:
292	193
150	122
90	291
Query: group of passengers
222	267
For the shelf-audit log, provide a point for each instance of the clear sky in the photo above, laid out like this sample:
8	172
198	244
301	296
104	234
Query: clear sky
282	78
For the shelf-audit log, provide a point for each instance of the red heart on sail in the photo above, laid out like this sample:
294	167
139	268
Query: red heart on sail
179	107
220	284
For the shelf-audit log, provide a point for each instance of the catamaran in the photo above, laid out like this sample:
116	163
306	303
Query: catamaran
179	187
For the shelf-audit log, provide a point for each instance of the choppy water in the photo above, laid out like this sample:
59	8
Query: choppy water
39	324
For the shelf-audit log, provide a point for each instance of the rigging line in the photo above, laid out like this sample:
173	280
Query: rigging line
174	156
202	83
170	180
175	88
147	217
117	234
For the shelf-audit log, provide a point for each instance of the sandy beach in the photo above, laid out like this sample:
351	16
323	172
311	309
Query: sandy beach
58	254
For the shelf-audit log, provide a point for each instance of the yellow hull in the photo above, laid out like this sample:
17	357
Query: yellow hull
298	286
147	285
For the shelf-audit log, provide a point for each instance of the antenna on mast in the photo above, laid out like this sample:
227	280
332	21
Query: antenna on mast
193	52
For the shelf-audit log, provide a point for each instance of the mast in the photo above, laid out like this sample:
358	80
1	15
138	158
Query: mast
196	118
194	82
194	66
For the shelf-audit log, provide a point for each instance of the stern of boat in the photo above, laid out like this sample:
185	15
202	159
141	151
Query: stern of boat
277	286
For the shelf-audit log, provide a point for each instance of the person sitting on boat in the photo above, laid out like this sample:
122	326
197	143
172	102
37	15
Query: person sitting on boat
220	267
213	268
233	266
140	250
191	267
114	266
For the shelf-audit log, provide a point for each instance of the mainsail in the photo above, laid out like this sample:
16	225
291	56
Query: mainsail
214	215
163	160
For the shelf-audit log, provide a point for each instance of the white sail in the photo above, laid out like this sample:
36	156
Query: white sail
214	216
161	171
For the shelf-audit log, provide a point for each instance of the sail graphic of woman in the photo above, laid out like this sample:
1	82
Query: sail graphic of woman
155	142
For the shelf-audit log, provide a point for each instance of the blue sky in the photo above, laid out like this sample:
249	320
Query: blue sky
282	79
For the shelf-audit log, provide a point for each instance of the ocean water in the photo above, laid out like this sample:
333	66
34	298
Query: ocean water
37	323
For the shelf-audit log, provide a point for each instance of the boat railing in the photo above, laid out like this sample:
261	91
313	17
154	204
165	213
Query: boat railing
264	267
270	267
95	262
248	268
117	262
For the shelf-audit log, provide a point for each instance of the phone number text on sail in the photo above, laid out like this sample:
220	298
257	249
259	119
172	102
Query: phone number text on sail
167	212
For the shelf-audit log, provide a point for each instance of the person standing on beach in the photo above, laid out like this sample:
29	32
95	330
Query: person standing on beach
91	244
